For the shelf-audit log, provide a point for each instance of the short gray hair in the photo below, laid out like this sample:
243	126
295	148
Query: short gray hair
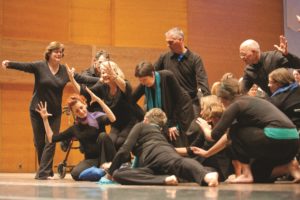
156	116
176	32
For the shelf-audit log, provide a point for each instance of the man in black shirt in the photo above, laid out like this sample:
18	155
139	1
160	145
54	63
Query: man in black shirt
260	64
94	70
186	66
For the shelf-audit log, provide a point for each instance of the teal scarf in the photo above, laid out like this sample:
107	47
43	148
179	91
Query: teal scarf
156	102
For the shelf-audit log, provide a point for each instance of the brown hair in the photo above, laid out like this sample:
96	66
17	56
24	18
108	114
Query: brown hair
73	99
211	107
229	89
282	76
53	46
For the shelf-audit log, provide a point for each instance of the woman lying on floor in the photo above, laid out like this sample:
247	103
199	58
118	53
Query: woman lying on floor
158	162
89	129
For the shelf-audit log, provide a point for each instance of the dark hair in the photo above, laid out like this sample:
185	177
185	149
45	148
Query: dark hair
53	46
103	53
143	69
229	89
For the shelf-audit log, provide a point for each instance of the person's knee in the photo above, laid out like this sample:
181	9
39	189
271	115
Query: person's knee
75	174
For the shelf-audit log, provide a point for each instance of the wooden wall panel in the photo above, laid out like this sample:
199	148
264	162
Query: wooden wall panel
143	23
36	20
90	22
1	19
16	143
217	28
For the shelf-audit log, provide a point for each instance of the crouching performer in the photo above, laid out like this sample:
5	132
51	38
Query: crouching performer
89	130
158	162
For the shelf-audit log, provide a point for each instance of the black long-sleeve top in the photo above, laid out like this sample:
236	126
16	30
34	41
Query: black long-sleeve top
141	141
188	70
48	87
87	136
251	112
269	61
288	102
121	105
176	103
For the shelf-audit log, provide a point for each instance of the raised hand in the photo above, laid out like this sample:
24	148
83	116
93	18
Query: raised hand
283	46
42	109
108	69
70	71
203	123
4	64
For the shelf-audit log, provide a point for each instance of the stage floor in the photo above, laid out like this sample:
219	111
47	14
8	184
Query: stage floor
24	186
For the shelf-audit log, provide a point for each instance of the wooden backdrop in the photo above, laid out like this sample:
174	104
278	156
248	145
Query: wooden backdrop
131	30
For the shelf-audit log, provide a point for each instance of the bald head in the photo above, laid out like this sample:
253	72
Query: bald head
250	45
250	51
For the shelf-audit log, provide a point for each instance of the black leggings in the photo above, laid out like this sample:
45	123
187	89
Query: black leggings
251	144
163	161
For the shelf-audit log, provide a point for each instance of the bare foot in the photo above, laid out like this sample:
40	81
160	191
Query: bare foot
294	170
242	179
212	179
230	177
171	180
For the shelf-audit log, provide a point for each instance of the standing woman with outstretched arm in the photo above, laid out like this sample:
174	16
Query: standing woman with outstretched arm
50	79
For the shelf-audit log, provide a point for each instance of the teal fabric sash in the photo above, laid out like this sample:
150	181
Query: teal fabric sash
154	102
281	133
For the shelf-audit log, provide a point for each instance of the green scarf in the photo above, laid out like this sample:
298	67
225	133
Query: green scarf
154	103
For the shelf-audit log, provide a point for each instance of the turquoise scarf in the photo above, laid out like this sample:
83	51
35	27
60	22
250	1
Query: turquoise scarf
156	102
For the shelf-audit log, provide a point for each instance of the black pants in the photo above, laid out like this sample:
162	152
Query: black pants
45	150
106	154
251	144
119	135
157	165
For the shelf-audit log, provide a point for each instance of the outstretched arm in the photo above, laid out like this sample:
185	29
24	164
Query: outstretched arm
106	109
219	146
42	109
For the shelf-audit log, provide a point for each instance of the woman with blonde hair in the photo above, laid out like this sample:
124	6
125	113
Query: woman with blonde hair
115	91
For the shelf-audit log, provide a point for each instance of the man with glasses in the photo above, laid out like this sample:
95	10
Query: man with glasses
260	64
186	66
